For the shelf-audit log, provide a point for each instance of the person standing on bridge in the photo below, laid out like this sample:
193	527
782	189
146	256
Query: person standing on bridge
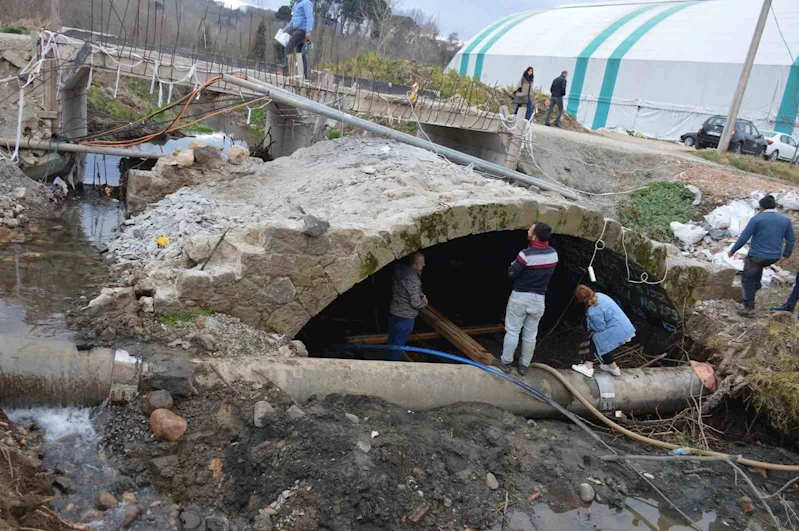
531	272
557	91
768	230
608	329
407	299
300	29
524	94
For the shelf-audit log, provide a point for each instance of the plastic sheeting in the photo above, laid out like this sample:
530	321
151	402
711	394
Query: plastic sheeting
663	67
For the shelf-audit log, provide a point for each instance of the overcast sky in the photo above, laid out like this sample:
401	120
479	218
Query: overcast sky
466	17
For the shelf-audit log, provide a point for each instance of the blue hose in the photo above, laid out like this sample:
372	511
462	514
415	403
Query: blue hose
492	370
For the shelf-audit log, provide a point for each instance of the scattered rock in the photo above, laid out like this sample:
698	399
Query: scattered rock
227	415
586	492
314	226
238	155
185	158
167	426
7	236
113	301
190	519
418	513
491	481
295	413
172	375
15	59
63	484
369	170
153	400
90	515
217	523
164	467
263	410
353	418
147	304
130	514
209	157
465	475
262	522
206	341
19	192
364	446
746	505
106	501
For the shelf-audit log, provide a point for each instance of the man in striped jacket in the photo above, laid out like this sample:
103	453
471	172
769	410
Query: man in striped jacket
531	273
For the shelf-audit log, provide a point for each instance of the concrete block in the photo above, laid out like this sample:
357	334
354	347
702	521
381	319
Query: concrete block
285	240
343	242
344	273
280	291
288	319
194	284
317	298
375	253
459	223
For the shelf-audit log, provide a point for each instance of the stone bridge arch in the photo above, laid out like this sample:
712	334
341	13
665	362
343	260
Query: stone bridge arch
278	277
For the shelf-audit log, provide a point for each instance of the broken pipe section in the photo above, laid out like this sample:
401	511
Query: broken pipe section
44	372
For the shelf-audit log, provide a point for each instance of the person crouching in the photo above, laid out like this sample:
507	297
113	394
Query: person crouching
608	329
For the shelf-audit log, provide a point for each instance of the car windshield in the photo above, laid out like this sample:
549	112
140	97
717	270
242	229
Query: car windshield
716	120
770	133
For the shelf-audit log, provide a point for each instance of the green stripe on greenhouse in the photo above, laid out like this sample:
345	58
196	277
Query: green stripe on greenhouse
614	63
478	67
477	40
581	67
786	116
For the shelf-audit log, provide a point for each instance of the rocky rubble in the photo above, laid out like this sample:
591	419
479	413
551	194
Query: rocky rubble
176	216
21	200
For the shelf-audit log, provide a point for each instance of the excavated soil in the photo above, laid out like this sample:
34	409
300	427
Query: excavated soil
315	467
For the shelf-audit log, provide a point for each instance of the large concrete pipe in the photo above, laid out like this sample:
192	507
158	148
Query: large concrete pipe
37	372
423	386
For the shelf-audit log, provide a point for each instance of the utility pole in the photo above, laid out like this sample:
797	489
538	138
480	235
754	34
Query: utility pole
51	71
724	141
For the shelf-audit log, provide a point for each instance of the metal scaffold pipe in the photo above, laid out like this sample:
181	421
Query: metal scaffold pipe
299	102
48	145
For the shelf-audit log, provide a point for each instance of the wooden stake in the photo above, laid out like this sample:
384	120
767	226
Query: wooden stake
380	339
450	331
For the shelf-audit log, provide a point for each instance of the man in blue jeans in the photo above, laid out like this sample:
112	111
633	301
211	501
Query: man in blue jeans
531	272
406	301
793	299
300	29
772	241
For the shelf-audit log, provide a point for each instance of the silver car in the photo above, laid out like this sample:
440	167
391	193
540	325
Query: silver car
779	146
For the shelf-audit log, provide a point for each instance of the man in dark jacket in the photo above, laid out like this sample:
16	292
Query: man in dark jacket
531	272
557	91
406	301
768	230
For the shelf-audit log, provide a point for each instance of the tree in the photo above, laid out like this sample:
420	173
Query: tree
283	14
258	50
453	37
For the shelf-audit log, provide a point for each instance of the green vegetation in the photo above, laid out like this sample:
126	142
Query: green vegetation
173	319
17	30
752	164
651	210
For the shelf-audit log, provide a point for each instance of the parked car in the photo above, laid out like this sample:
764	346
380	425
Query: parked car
779	146
745	136
689	139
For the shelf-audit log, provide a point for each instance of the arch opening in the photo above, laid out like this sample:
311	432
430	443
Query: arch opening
466	280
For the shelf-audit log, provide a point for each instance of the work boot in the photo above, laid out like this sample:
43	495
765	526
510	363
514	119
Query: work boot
522	370
746	312
546	125
782	308
506	367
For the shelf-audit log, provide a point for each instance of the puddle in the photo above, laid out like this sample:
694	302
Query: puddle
103	169
637	513
70	444
42	278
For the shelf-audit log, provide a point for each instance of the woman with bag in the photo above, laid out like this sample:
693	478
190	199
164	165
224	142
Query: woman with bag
608	329
524	94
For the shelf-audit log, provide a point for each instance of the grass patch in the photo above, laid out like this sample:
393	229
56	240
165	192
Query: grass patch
752	164
173	319
651	210
198	128
17	30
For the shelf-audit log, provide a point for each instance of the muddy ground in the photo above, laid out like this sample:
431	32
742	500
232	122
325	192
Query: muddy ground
358	463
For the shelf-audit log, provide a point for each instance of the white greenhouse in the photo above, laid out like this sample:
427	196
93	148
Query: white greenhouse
655	67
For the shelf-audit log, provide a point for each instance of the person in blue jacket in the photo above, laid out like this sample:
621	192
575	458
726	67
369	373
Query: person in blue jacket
608	329
772	240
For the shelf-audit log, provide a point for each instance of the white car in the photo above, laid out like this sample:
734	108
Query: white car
779	146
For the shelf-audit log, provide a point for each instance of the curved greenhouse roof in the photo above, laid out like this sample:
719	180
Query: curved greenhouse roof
656	67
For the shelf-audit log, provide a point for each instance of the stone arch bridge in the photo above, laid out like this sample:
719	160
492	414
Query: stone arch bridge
383	201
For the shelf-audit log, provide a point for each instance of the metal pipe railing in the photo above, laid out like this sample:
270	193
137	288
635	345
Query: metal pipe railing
49	145
299	102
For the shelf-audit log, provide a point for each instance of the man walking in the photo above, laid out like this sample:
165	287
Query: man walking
300	29
793	299
406	301
768	231
530	272
557	91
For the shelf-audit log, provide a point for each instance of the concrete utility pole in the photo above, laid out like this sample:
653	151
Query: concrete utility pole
724	141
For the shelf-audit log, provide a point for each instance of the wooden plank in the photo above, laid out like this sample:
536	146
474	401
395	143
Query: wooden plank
381	339
450	331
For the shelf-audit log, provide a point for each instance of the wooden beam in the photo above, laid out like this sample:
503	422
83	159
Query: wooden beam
381	339
449	330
